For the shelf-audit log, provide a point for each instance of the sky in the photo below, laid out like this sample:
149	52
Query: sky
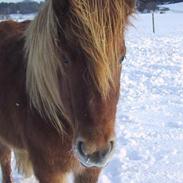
7	1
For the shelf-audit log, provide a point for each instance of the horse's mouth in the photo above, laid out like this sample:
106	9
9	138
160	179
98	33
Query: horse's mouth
92	163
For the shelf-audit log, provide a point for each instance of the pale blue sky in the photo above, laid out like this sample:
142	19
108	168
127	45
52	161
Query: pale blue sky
7	1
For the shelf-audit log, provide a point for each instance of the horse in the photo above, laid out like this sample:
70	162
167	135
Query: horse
59	88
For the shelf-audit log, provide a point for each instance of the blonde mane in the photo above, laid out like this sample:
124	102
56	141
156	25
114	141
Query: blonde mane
99	27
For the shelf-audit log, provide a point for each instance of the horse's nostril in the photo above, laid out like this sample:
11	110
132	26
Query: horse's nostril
107	151
80	147
111	145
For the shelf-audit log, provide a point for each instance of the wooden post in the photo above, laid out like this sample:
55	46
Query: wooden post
153	23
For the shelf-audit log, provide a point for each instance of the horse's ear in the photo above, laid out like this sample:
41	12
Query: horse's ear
130	6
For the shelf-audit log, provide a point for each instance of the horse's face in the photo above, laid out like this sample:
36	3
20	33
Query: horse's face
93	117
90	30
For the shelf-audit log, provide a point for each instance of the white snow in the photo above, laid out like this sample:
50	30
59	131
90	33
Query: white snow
150	110
20	17
177	7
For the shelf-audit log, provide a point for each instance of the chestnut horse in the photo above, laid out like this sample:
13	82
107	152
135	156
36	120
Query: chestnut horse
59	87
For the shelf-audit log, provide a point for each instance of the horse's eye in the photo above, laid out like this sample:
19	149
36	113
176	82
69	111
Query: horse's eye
122	59
65	59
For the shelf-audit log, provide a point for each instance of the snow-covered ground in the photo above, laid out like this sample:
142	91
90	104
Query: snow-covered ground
150	111
177	7
18	17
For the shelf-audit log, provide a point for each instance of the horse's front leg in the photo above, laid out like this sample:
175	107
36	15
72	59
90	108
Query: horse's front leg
87	176
5	161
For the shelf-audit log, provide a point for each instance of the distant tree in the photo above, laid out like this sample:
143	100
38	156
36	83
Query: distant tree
27	0
151	5
146	5
25	7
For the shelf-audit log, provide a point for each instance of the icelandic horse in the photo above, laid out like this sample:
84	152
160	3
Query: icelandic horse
59	88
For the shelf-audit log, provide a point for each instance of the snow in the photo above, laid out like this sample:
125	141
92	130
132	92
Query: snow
21	17
177	7
150	110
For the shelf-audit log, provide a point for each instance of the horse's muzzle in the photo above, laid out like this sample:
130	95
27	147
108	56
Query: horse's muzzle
98	158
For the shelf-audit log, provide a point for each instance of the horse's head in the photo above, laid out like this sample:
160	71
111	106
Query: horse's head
91	47
93	115
94	47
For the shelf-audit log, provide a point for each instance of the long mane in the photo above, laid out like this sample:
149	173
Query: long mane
101	24
98	25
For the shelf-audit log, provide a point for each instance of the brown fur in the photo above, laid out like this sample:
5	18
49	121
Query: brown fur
5	160
60	73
